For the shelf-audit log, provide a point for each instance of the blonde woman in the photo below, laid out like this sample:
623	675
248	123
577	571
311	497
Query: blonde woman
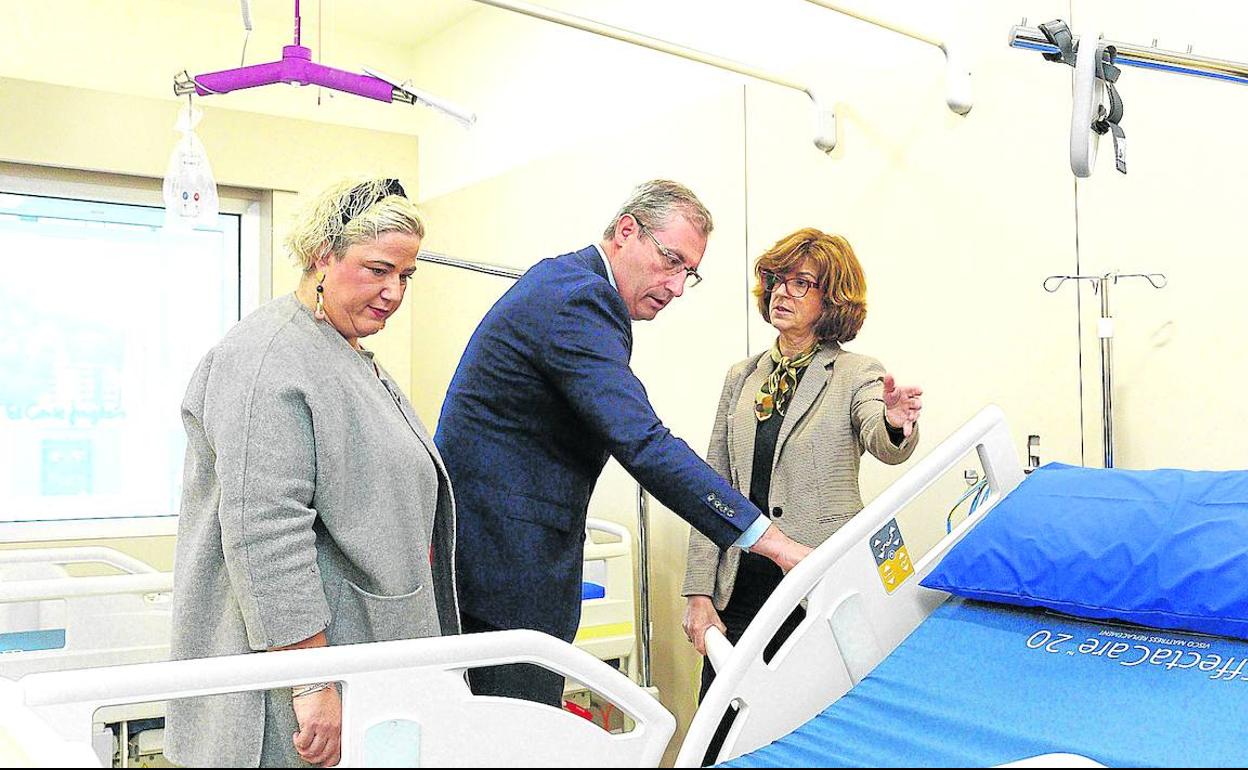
792	426
315	509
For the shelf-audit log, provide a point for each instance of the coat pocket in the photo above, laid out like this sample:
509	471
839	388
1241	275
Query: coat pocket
546	513
369	617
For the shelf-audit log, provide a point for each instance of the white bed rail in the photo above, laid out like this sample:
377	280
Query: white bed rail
137	577
419	682
107	619
852	622
82	554
623	537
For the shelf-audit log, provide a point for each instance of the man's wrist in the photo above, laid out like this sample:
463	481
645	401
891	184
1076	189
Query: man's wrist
750	538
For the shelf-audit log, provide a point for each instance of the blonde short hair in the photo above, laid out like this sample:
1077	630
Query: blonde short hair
836	269
349	212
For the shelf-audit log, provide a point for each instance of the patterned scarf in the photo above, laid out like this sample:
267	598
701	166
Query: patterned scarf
779	387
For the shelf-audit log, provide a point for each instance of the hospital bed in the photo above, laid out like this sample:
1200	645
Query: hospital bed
608	629
880	672
52	620
885	672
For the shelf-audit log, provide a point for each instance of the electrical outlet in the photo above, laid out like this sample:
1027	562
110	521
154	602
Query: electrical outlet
1033	453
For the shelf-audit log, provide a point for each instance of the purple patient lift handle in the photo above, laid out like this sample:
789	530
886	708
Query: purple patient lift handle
295	67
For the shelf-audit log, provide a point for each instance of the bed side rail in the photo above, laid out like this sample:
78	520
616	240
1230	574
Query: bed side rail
136	578
420	683
852	621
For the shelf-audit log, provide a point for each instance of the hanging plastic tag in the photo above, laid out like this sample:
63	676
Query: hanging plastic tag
190	191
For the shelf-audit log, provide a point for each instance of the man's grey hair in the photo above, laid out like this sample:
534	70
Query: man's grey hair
655	203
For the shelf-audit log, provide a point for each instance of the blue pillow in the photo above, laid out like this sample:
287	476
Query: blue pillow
592	590
1165	548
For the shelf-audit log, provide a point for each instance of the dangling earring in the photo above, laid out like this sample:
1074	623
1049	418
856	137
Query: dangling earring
320	298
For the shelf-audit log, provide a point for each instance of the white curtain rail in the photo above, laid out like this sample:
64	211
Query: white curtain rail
839	8
958	92
435	258
1148	57
825	115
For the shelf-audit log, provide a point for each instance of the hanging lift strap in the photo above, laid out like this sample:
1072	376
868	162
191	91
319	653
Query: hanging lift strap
1107	121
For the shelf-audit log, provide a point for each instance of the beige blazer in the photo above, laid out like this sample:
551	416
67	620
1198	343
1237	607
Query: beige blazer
836	415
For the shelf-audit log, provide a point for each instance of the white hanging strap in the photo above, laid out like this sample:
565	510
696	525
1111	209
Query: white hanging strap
1057	33
1096	75
1108	119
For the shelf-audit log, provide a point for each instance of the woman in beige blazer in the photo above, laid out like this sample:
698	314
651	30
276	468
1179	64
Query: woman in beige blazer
791	429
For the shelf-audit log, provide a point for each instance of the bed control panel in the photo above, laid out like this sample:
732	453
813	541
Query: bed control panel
891	558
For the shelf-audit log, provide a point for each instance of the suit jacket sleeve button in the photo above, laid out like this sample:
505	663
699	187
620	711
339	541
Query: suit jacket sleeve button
777	512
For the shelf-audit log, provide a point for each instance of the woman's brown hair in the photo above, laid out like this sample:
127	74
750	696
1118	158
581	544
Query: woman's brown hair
836	269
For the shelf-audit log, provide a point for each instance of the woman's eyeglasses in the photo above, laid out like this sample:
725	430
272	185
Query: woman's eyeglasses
796	287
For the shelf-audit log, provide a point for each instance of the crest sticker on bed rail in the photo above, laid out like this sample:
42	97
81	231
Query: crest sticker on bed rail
891	557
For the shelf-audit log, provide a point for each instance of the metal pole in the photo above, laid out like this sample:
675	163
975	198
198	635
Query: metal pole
1106	333
1149	57
435	258
1105	330
898	28
825	112
645	41
643	566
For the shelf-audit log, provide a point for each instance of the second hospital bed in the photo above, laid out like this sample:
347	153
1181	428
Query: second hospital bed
68	639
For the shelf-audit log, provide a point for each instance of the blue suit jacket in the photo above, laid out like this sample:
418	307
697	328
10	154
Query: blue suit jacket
543	395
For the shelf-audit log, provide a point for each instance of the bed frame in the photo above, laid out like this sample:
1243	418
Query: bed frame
852	621
413	689
107	619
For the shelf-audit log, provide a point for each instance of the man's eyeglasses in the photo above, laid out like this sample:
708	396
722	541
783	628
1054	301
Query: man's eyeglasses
796	287
673	264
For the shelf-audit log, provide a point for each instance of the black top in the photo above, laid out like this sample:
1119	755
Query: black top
766	434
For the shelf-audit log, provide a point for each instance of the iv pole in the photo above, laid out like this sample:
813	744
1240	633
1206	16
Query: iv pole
1105	330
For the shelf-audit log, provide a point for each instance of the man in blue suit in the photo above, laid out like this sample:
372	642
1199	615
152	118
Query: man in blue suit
543	395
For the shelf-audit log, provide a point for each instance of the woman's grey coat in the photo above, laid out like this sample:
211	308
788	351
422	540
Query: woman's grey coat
313	500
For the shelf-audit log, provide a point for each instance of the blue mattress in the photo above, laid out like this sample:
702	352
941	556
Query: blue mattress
981	684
